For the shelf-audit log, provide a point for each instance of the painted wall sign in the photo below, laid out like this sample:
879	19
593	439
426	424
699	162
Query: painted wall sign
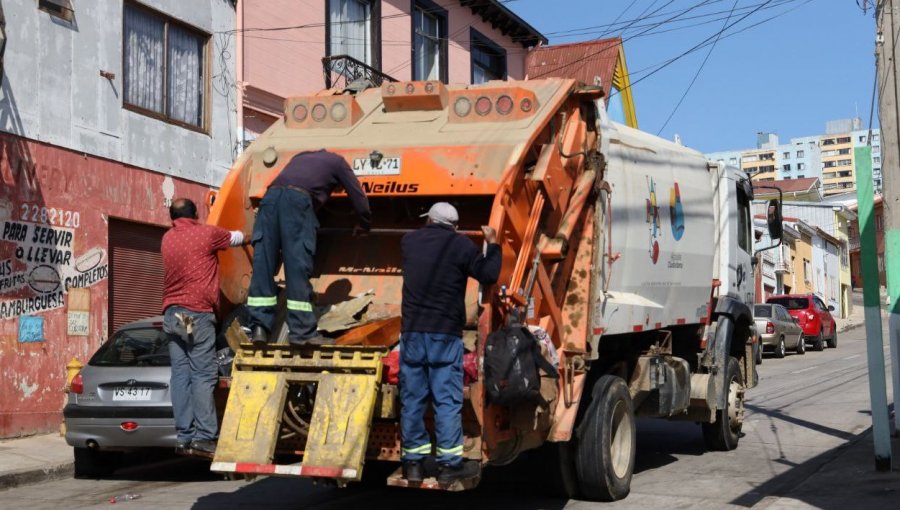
78	319
31	329
78	323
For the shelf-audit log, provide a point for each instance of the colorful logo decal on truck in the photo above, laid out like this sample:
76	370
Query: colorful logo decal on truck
653	220
676	212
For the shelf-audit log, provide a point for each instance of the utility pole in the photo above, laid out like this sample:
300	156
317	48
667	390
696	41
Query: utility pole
887	18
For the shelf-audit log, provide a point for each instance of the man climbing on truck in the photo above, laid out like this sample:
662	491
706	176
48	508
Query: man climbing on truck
437	262
286	225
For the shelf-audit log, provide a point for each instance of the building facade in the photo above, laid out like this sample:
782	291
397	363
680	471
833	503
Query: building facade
108	110
281	45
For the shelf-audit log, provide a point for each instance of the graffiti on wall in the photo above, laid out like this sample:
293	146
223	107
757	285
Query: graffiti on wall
38	263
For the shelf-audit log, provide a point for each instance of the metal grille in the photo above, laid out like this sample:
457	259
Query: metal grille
135	272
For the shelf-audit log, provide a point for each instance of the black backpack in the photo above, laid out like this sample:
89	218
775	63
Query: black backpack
512	357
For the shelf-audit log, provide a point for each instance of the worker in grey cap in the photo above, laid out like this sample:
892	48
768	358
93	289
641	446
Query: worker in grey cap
437	262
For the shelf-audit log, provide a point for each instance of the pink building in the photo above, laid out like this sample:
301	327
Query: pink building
281	44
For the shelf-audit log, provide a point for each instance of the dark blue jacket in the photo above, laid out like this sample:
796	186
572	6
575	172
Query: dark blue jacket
437	262
319	173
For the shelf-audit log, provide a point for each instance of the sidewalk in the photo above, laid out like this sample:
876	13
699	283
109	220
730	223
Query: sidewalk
34	459
857	316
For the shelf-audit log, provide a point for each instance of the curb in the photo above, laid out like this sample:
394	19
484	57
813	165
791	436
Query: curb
851	327
38	475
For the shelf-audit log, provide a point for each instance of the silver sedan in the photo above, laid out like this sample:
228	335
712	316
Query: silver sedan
778	331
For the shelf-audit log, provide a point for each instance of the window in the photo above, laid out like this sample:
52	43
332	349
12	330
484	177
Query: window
828	141
862	139
165	67
876	159
800	154
801	177
843	151
786	155
843	139
733	161
488	59
876	138
352	30
801	166
876	149
60	8
786	168
806	270
429	32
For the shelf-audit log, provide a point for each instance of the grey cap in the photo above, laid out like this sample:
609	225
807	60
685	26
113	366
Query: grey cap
442	212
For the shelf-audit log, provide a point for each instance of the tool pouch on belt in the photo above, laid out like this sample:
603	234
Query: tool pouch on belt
179	324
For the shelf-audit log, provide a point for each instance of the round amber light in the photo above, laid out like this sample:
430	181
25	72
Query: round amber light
429	87
462	106
410	88
319	112
391	90
526	105
338	112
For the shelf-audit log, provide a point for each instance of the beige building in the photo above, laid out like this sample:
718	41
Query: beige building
759	163
837	163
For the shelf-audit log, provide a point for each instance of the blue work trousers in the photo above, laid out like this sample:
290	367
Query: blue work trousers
285	227
431	365
194	374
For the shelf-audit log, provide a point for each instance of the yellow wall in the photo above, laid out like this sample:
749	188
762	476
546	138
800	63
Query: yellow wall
803	250
753	161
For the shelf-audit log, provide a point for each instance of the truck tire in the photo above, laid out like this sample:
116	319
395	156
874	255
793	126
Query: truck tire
91	463
723	435
606	441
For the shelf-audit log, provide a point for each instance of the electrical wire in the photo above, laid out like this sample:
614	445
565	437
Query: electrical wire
699	70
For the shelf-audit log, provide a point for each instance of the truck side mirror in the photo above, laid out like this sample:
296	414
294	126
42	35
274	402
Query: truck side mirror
774	219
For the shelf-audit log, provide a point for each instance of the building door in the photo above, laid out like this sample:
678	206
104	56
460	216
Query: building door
135	272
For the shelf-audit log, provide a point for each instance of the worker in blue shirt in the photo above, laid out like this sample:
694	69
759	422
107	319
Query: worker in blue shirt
285	228
437	263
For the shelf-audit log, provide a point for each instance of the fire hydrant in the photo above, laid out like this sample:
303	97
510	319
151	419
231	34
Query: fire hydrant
72	368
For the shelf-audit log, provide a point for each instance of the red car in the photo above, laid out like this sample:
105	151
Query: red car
813	316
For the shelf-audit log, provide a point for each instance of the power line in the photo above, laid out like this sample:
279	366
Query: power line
699	70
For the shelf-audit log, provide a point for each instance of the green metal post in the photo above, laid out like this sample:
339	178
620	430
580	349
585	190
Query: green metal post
868	253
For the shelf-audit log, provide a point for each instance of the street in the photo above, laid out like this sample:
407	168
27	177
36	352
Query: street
804	409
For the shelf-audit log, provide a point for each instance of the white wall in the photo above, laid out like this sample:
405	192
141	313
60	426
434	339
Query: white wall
52	90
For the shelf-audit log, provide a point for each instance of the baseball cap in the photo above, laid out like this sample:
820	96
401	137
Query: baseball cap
442	212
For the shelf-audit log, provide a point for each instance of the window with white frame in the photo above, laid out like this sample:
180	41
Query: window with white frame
164	67
351	30
429	41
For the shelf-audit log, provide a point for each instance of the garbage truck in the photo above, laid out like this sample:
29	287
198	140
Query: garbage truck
629	254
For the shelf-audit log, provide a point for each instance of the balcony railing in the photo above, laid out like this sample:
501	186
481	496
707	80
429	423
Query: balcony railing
782	267
342	70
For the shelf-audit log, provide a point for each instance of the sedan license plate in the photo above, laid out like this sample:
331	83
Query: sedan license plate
131	393
387	166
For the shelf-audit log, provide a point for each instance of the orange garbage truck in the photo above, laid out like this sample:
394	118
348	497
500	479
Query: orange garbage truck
628	255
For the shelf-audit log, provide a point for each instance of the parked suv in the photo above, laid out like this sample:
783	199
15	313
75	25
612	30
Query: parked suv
813	316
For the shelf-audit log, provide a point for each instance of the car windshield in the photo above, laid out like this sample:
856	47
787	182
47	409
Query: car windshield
762	311
134	347
792	303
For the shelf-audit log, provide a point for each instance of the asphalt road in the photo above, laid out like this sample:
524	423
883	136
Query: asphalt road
803	409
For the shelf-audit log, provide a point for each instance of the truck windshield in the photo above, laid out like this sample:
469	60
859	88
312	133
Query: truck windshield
791	303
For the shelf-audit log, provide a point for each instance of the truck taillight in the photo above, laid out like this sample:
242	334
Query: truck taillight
483	106
770	328
414	95
462	106
504	105
492	104
77	384
321	112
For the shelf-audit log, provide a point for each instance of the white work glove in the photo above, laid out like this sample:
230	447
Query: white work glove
237	238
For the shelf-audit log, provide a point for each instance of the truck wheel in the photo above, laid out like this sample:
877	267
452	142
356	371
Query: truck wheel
819	343
605	442
779	349
95	464
832	342
723	435
801	345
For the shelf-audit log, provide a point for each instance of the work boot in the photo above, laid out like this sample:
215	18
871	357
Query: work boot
412	471
203	446
462	471
259	335
181	447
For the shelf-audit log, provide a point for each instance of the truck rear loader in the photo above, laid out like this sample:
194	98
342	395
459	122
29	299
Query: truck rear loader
632	253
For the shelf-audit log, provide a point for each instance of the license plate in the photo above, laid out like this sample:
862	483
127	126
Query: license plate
387	166
131	393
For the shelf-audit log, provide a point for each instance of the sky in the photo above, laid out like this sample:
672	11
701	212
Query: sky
812	63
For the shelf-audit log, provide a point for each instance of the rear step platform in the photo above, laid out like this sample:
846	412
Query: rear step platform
347	381
396	480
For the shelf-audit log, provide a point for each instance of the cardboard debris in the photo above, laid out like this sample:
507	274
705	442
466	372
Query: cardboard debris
345	315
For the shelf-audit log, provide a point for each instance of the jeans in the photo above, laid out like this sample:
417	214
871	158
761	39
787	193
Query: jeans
286	226
431	365
194	374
